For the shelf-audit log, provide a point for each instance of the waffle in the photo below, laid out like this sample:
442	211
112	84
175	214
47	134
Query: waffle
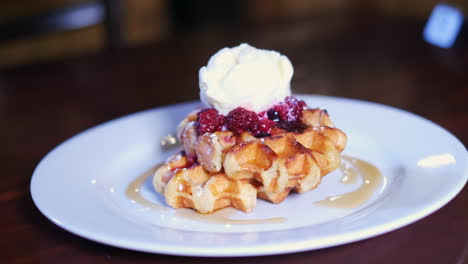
221	169
187	185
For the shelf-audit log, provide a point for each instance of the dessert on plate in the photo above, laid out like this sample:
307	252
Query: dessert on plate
252	140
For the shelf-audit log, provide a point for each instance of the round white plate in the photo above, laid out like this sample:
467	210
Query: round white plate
81	186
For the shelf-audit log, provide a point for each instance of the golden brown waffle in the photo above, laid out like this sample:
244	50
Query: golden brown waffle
316	117
186	185
296	163
231	170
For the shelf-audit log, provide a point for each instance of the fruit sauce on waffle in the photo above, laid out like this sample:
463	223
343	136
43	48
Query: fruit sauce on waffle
284	115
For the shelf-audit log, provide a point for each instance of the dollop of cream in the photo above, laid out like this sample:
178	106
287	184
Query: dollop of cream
245	76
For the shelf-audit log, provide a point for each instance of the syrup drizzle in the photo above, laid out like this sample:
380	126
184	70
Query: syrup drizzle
222	216
133	190
353	169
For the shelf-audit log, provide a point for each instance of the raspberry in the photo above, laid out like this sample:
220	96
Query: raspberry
209	121
265	125
302	105
295	108
289	110
241	119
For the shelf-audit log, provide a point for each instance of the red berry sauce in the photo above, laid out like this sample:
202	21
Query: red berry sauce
285	115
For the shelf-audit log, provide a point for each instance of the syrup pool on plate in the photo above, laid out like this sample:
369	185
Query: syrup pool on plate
352	170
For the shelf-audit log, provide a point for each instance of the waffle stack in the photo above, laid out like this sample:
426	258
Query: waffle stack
224	169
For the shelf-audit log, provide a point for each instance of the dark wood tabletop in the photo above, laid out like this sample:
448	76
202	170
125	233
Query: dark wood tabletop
379	59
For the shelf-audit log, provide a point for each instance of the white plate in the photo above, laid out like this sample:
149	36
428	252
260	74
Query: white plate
81	185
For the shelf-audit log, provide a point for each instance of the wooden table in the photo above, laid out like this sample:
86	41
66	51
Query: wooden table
378	59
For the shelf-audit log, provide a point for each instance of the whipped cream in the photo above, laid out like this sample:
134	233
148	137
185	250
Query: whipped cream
244	76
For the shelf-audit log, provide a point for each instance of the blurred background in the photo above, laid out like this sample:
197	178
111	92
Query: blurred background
37	31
